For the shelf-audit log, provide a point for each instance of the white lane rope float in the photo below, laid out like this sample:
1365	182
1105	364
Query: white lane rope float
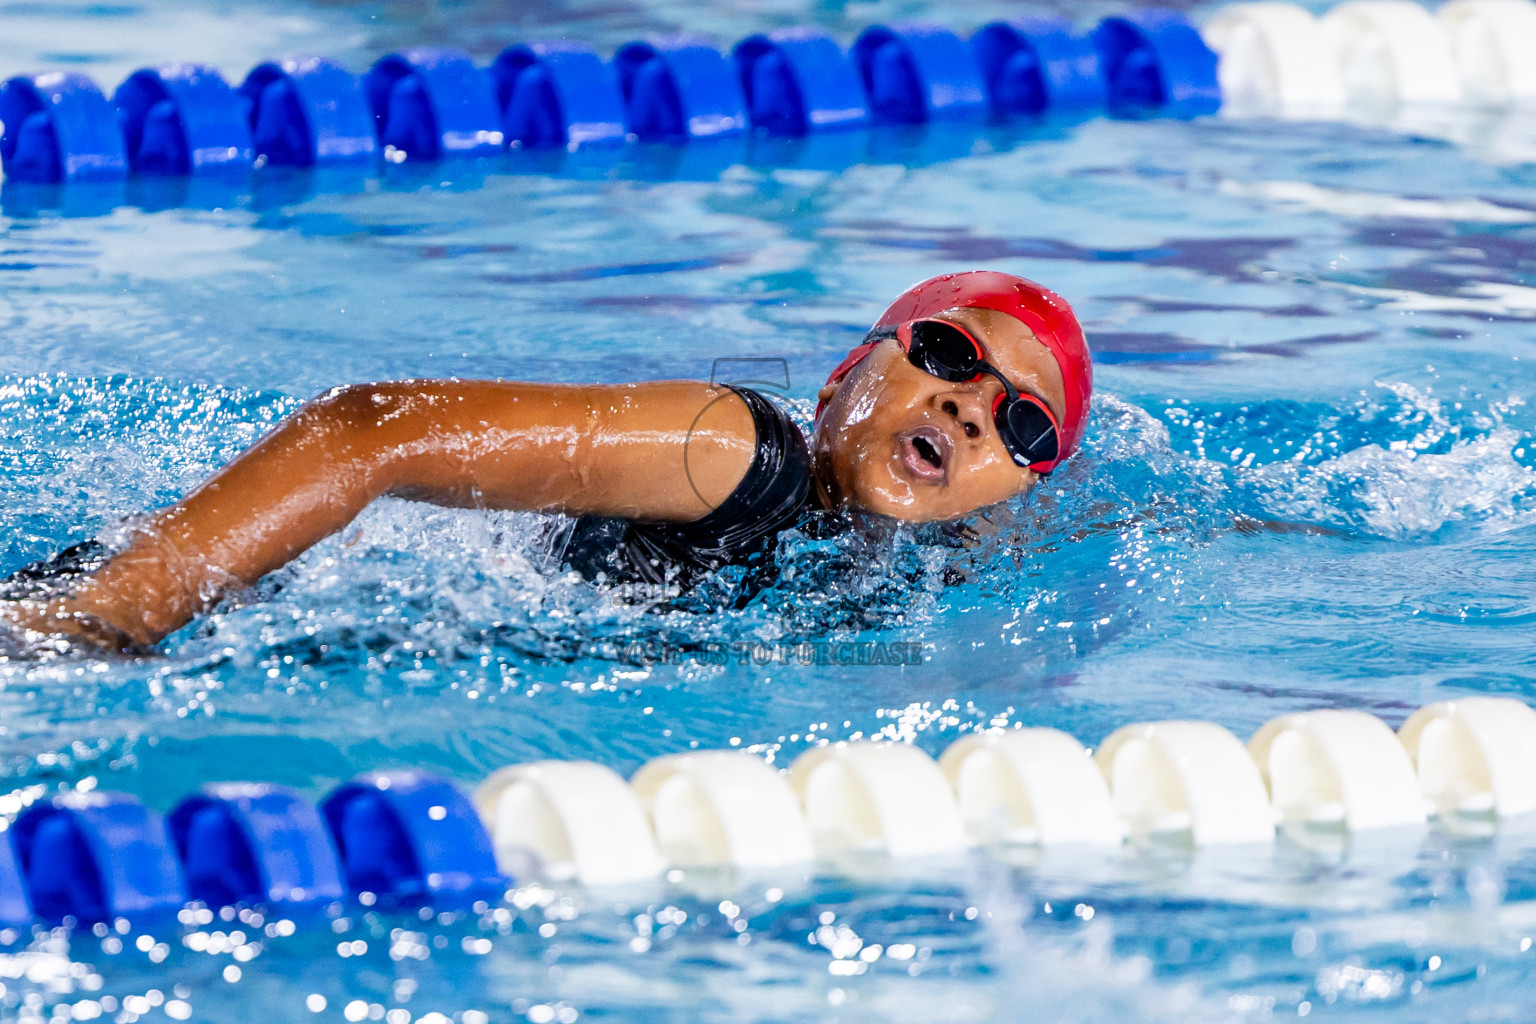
1340	769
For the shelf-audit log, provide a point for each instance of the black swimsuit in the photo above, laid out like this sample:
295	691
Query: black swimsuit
741	530
47	578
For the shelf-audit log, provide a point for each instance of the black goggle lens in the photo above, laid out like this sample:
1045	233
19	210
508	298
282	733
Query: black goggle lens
944	351
1027	431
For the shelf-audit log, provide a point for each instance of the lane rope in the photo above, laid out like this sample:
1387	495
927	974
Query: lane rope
431	103
405	838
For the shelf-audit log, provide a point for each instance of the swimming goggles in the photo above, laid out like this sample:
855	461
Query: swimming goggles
949	352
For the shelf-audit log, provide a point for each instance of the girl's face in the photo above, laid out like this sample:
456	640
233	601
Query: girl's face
903	443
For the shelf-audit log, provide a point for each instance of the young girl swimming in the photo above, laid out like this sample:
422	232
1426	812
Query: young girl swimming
969	388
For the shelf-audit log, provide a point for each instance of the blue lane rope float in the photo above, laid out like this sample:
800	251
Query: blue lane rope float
679	89
59	127
557	96
913	73
252	843
305	112
1037	65
410	839
1155	59
96	857
181	119
432	102
15	911
798	81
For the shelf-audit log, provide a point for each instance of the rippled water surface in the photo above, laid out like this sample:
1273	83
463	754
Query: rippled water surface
1310	481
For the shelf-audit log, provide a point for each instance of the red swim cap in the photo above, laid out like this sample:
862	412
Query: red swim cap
1041	310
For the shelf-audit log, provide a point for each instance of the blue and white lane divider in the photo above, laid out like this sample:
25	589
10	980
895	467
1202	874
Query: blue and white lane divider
431	103
391	839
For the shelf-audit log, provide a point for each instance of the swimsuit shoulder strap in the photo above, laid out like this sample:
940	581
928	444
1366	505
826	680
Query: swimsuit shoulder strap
774	490
770	497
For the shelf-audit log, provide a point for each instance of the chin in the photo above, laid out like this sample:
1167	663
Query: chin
895	499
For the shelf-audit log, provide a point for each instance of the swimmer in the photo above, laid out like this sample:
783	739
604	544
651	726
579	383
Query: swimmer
969	388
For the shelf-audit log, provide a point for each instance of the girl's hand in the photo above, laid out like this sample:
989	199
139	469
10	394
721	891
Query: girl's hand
31	627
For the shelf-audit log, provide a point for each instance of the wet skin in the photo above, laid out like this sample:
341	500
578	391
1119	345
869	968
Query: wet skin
666	451
892	440
901	442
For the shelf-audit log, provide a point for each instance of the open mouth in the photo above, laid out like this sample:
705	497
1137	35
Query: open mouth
925	452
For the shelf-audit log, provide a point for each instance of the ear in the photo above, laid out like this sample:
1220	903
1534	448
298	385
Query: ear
827	391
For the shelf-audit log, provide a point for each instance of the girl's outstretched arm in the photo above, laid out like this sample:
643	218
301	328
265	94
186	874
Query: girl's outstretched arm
666	451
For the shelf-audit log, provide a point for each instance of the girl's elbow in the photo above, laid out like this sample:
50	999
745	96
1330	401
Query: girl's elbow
362	425
350	404
361	411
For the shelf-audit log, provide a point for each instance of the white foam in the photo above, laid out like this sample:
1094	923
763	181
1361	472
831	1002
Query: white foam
1358	204
1402	492
1482	297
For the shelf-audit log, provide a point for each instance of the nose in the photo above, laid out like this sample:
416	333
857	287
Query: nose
968	409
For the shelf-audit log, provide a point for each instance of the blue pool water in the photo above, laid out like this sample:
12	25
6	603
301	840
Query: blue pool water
1310	482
